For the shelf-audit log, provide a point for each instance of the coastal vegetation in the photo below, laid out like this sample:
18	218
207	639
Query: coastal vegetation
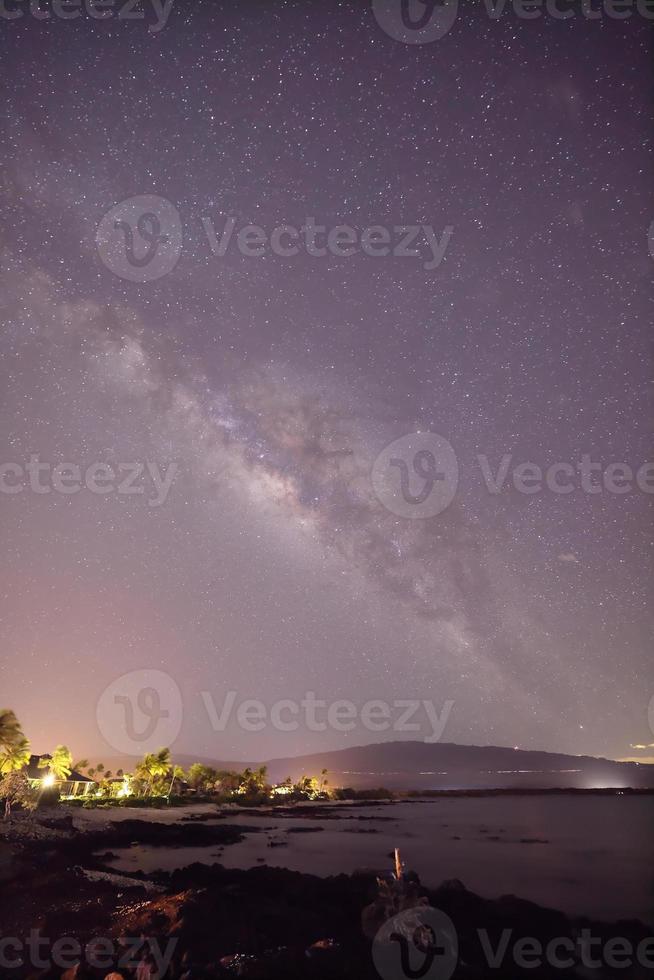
28	781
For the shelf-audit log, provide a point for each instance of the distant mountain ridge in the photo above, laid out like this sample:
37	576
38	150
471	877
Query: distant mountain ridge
447	765
444	765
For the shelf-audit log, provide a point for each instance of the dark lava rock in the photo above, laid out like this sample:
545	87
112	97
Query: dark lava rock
327	958
268	923
64	822
359	830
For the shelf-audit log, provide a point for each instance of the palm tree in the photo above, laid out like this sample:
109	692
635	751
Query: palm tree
305	784
60	763
142	775
203	778
160	763
15	757
14	747
228	782
176	773
152	765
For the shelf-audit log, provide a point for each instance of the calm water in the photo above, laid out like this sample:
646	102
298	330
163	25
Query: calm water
594	855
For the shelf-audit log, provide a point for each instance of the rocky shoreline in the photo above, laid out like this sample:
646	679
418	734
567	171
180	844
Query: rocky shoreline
261	923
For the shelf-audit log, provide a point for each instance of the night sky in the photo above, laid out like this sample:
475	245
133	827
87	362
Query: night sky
273	568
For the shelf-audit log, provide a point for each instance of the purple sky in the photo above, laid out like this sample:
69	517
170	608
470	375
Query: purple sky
272	568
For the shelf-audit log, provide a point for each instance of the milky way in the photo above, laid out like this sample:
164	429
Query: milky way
273	383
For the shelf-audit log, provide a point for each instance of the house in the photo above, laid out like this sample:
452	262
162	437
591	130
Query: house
41	778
